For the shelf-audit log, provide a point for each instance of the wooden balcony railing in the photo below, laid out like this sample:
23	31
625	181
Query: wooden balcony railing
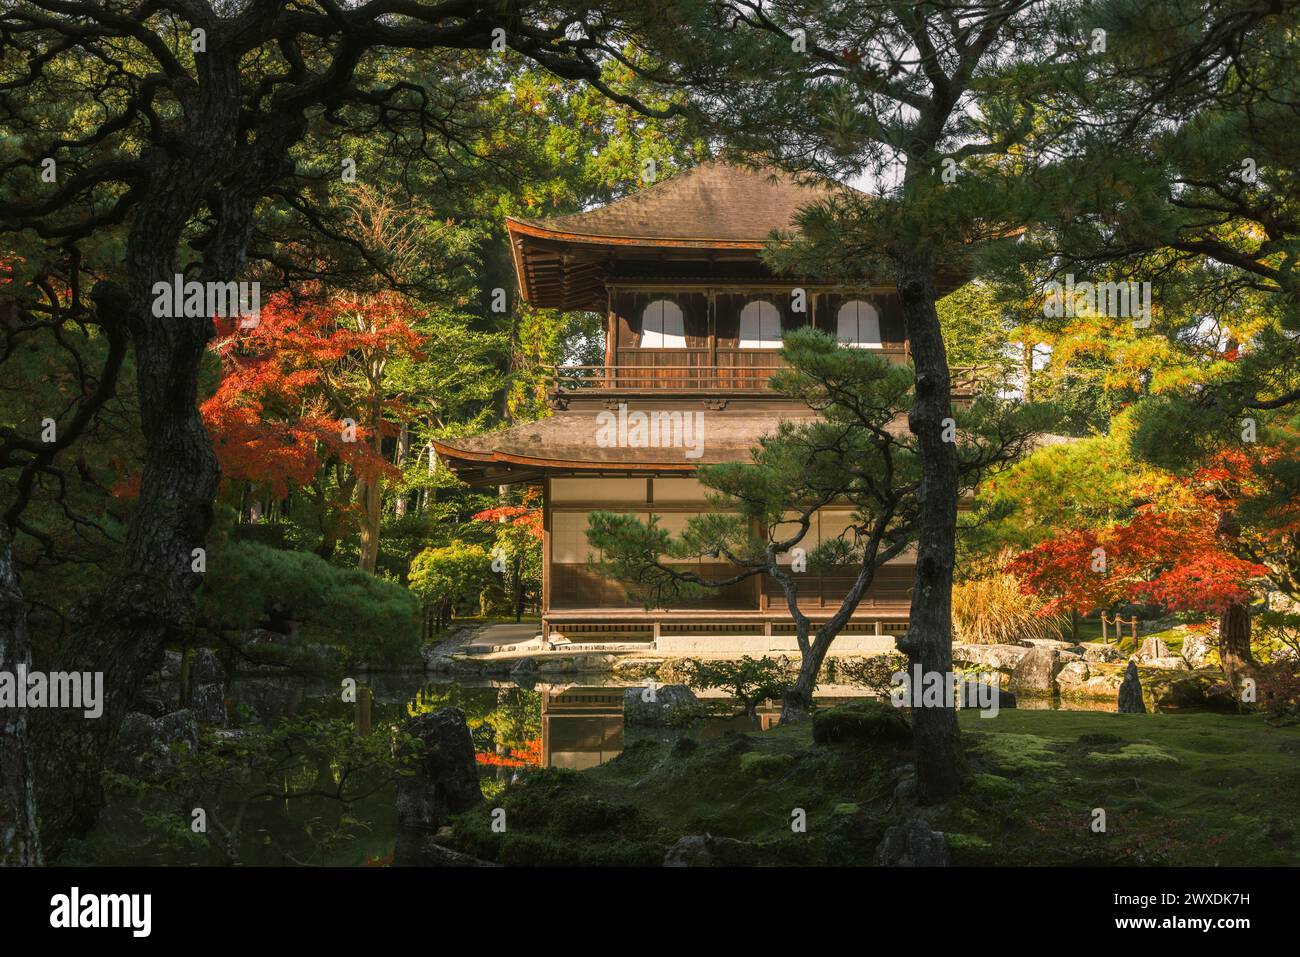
689	370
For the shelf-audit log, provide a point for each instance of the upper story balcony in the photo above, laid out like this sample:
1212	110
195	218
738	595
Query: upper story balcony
732	372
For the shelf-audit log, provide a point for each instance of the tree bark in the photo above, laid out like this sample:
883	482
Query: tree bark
1234	645
928	641
20	844
403	449
149	602
372	489
796	703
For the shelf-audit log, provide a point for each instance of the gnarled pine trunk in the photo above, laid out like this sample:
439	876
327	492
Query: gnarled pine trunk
928	641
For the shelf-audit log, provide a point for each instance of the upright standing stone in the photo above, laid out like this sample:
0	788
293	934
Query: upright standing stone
1130	692
208	688
445	781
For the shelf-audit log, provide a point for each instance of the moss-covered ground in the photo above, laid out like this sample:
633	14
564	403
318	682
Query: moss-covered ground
1176	789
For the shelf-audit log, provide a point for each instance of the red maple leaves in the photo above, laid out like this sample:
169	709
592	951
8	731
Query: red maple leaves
530	755
291	384
1174	551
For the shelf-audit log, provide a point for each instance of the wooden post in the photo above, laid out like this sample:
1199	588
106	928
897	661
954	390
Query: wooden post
1105	636
1134	621
361	712
547	574
611	338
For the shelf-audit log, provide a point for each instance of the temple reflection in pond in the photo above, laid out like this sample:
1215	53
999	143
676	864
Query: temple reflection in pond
581	727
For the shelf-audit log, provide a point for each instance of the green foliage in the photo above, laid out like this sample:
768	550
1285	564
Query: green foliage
1060	486
250	585
457	573
750	681
874	673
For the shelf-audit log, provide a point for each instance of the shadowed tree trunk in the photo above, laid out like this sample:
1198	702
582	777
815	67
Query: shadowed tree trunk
19	838
1234	645
928	641
149	602
796	703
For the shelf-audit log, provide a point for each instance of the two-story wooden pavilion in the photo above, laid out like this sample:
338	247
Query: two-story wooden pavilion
693	322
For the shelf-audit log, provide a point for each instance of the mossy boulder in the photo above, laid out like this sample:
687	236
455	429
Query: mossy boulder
863	722
765	766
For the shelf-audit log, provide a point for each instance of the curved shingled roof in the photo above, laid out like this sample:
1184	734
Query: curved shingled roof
715	201
714	210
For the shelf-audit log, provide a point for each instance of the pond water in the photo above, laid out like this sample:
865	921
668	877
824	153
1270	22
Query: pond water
297	788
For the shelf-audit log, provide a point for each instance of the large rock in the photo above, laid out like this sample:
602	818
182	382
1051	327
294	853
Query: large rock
1103	686
208	688
912	845
705	850
637	710
1071	678
445	781
977	691
422	849
1196	649
1052	644
267	699
999	657
1170	663
1130	692
1100	651
1036	673
1152	648
1188	690
147	747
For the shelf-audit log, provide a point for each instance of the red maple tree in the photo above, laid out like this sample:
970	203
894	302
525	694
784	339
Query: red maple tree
292	380
1176	551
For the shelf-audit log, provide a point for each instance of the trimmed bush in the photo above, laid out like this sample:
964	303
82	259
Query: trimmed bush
863	722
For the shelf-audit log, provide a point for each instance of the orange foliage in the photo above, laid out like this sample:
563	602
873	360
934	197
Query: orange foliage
275	419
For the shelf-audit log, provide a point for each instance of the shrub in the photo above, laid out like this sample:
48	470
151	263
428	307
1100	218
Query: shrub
751	681
874	673
261	586
1279	691
863	722
453	576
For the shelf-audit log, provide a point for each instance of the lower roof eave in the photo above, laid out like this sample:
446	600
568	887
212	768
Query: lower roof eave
504	468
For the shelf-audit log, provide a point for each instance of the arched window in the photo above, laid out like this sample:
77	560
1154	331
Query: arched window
662	326
760	326
859	325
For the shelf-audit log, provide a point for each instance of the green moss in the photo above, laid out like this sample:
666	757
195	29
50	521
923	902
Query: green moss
765	766
967	842
1185	789
990	785
1134	754
865	722
1020	753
